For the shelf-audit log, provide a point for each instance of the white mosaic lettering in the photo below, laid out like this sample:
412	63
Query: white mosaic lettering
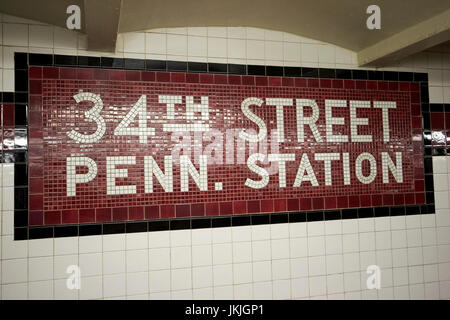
200	177
396	170
112	173
152	168
282	158
385	106
279	103
327	158
254	118
330	120
73	178
355	121
310	121
92	114
372	171
251	163
310	176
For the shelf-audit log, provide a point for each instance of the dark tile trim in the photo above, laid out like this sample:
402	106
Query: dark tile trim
23	231
220	221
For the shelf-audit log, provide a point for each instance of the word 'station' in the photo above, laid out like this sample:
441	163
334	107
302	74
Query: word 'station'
161	147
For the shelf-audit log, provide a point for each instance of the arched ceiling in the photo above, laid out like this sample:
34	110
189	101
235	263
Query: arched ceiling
406	26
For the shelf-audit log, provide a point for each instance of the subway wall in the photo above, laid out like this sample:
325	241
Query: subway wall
306	260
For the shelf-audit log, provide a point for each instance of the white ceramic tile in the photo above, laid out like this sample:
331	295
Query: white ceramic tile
114	285
197	46
14	271
181	279
262	290
137	283
90	264
40	36
40	247
40	268
242	273
180	257
202	277
15	291
137	260
114	262
160	281
61	263
15	34
317	266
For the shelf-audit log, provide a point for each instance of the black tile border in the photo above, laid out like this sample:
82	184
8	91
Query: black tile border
22	231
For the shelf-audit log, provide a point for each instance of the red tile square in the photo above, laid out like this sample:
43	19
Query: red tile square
212	209
85	74
87	215
239	207
279	205
117	75
293	204
233	79
162	76
36	218
152	212
388	200
197	210
274	81
318	203
69	216
50	73
182	210
220	79
248	80
305	204
36	201
178	77
206	78
35	87
267	206
330	203
437	120
192	78
325	83
103	214
420	197
101	74
353	201
360	85
349	84
287	82
132	75
253	206
52	217
167	211
342	202
337	83
313	83
67	73
136	213
226	208
118	214
35	72
399	199
365	200
261	81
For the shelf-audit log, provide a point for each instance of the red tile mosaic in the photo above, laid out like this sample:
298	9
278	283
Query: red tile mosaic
54	113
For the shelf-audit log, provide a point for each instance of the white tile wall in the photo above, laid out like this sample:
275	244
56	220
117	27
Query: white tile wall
317	260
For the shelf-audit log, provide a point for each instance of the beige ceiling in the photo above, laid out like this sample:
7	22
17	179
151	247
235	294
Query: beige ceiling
406	26
341	22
